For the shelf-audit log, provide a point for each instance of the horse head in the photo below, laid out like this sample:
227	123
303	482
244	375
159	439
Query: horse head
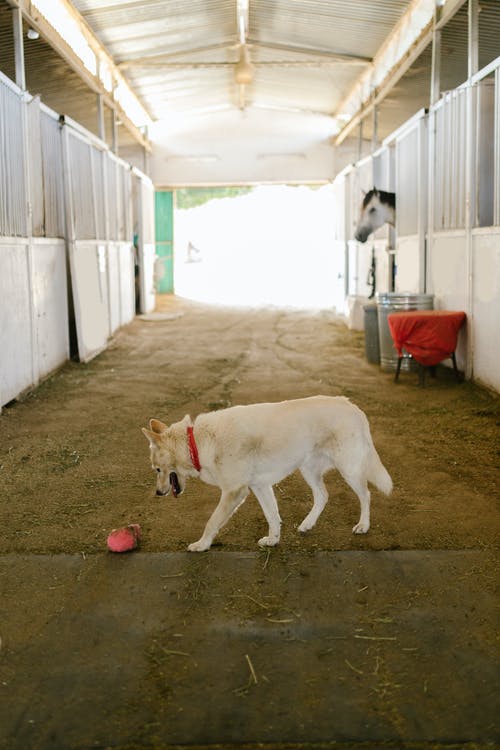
378	207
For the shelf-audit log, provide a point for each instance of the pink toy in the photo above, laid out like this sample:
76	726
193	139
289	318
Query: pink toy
124	539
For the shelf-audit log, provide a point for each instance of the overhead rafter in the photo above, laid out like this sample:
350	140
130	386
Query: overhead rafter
311	52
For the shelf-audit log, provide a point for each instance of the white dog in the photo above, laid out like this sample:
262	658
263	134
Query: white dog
252	447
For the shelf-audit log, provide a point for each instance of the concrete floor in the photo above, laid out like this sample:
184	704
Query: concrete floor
150	650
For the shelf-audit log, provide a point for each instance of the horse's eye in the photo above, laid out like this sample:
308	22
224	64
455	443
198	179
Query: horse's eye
158	469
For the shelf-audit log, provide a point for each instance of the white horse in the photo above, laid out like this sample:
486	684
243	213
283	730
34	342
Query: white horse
378	208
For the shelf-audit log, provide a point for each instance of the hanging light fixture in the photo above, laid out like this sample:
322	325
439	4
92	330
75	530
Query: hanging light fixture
244	70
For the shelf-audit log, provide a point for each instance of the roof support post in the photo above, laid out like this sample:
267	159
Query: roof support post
473	38
101	128
145	154
375	128
17	20
114	132
436	56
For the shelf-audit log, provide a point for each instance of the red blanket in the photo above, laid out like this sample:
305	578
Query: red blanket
428	335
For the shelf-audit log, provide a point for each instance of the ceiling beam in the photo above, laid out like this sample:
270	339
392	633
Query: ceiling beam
168	60
214	65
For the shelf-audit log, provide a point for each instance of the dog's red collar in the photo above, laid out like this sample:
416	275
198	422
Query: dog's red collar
193	450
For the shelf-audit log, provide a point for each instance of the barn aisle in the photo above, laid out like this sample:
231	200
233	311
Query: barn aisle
382	640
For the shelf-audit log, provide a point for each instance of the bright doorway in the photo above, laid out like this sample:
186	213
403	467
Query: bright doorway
272	245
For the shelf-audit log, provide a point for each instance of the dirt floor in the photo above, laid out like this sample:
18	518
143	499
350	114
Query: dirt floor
74	463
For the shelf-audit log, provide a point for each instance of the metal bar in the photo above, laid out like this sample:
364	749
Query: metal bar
470	187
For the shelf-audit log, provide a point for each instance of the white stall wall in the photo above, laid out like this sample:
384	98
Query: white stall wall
63	192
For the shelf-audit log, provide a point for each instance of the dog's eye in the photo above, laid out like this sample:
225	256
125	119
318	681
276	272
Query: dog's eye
158	469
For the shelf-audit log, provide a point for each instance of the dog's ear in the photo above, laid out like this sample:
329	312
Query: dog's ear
153	437
156	426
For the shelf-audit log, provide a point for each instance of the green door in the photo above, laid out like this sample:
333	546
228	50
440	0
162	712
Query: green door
164	235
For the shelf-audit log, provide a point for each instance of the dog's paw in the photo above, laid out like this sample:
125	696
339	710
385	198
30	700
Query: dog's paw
199	546
304	527
360	528
268	541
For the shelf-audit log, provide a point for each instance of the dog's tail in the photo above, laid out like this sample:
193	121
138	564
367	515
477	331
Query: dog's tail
378	474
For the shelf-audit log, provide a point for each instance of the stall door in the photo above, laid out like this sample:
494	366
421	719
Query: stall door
164	234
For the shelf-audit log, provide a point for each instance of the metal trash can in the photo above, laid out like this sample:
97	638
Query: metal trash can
372	345
389	302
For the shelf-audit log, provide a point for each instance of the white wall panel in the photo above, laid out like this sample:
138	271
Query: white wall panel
486	308
90	298
50	301
16	343
408	265
448	271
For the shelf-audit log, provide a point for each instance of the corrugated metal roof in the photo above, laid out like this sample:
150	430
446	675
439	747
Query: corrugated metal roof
179	55
291	44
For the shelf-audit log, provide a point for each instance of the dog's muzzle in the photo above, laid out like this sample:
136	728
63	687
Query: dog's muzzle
174	484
